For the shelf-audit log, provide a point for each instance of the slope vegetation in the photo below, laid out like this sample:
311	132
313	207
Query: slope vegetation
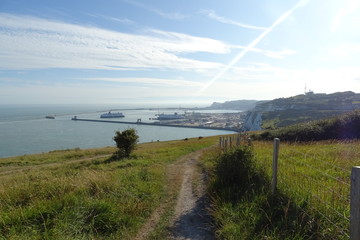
344	127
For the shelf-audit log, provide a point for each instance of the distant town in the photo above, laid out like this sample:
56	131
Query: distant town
211	120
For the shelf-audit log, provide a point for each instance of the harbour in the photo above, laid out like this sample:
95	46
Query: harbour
159	124
26	130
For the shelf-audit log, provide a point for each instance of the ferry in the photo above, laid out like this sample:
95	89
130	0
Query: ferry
174	116
112	115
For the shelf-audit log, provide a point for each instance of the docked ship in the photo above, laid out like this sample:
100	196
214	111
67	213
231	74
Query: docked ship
174	116
112	115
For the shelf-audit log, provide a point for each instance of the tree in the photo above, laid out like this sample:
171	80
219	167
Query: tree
126	142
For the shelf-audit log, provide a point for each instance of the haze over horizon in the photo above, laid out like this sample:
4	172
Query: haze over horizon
176	52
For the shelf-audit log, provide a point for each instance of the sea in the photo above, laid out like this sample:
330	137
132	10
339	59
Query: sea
25	130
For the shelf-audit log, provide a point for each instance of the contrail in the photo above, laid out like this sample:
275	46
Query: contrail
253	44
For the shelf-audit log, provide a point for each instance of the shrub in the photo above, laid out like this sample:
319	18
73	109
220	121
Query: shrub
126	142
235	172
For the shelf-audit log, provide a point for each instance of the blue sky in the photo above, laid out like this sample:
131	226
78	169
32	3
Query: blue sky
176	52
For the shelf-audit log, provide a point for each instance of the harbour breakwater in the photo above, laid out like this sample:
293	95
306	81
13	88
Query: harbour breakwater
155	124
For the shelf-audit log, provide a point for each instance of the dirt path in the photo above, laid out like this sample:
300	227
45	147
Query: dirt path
191	220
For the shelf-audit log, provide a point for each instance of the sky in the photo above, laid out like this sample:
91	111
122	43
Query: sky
189	52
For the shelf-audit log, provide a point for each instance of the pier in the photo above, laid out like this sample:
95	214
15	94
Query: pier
154	124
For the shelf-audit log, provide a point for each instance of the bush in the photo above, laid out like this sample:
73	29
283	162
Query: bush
235	172
126	142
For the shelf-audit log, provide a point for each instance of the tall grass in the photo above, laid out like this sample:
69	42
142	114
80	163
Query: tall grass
307	205
318	173
89	199
56	156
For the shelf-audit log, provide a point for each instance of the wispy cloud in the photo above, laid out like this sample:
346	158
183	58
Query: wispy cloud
28	42
349	7
211	14
167	15
113	19
252	45
149	81
343	51
269	53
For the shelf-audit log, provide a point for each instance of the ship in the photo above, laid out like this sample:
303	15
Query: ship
50	117
174	116
112	115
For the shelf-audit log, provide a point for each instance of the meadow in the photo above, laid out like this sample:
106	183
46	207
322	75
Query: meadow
82	194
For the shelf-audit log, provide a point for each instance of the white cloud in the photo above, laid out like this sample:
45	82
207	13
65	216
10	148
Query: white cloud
279	54
264	81
29	42
211	14
345	50
67	93
113	19
349	7
253	44
172	15
156	82
269	53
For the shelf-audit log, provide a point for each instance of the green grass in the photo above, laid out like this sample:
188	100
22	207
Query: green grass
312	199
80	194
57	195
56	156
318	173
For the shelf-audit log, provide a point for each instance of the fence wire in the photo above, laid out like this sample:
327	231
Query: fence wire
308	176
323	185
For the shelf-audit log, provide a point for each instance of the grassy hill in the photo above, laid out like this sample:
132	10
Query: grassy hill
80	194
343	127
243	105
286	111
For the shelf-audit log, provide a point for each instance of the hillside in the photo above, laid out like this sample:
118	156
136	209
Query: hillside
243	105
301	108
85	194
343	127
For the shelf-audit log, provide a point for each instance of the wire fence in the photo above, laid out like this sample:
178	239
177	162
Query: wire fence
325	188
312	180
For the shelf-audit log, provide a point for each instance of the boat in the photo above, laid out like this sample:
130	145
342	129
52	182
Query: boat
50	117
112	115
174	116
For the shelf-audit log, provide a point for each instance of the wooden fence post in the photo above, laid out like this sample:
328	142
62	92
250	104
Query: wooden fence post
355	204
275	164
249	142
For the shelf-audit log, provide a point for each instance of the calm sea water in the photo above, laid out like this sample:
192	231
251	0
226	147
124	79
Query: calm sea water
25	130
